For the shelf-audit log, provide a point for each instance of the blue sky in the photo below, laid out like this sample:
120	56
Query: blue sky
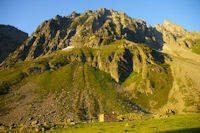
26	15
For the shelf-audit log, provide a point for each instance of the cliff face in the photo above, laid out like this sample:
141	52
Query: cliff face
10	39
174	36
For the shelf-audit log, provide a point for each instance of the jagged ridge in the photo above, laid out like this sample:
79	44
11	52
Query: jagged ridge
92	28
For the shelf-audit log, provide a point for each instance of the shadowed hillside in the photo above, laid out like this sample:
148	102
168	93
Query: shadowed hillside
10	39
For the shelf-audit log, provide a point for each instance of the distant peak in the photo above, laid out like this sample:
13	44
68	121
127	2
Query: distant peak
167	22
57	17
111	10
173	27
74	14
102	9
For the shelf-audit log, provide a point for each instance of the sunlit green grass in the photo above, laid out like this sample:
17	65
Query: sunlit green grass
173	124
134	76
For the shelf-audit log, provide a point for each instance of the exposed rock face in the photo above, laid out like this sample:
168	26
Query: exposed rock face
174	28
92	29
174	35
10	39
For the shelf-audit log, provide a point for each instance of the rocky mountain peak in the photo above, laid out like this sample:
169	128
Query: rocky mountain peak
167	22
171	28
92	28
74	14
102	10
58	17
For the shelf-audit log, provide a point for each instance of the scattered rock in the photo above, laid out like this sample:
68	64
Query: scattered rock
23	129
31	118
155	128
43	129
12	125
38	128
66	126
165	116
157	116
45	124
127	125
2	128
68	120
34	123
170	111
72	123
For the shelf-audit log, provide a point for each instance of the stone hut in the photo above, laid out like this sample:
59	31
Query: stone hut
101	117
112	117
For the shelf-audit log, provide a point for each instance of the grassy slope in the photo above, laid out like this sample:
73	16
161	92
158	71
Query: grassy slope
72	77
103	85
176	124
161	82
47	83
97	80
162	85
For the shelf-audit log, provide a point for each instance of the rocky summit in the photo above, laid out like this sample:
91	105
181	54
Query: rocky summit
75	67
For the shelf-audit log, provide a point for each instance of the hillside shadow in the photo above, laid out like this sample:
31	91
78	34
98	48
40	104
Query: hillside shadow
159	42
140	37
137	107
158	56
125	66
189	130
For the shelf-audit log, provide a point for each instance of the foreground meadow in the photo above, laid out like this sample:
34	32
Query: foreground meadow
173	124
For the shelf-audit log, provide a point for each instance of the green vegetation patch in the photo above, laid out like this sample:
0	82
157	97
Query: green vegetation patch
173	124
50	82
112	47
9	77
196	47
104	86
133	77
160	85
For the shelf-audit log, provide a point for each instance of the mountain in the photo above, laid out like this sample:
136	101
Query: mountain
77	66
92	29
10	39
